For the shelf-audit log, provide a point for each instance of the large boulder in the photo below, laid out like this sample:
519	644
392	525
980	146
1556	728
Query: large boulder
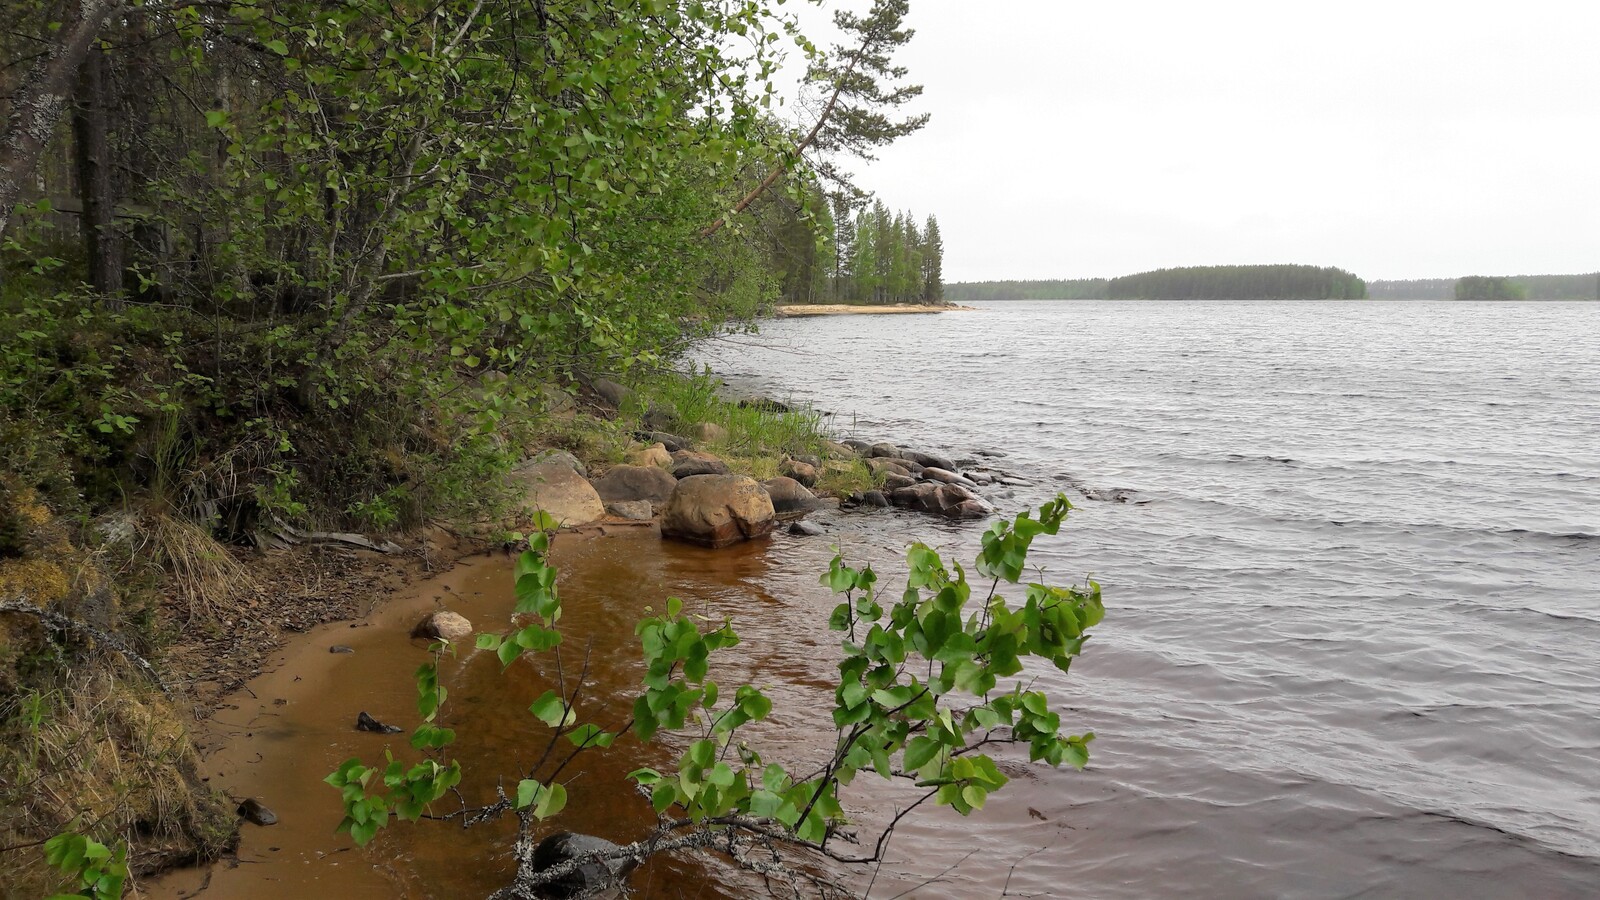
636	483
930	460
557	489
790	497
688	463
718	510
589	878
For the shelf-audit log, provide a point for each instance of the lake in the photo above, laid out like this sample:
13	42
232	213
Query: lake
1353	635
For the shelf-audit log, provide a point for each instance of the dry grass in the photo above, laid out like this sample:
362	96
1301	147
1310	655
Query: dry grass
107	755
200	575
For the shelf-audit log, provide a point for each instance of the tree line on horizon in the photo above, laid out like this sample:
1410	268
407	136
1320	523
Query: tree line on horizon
1267	282
1529	287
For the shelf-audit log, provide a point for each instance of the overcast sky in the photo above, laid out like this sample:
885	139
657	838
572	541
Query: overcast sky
1399	139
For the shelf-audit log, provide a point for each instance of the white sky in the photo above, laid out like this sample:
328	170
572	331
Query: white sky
1400	139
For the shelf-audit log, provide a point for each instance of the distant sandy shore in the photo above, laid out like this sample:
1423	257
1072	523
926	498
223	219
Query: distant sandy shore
844	309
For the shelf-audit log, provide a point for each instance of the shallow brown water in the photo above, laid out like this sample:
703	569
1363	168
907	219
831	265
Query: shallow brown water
298	725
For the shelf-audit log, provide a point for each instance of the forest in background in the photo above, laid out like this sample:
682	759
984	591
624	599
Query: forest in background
1512	287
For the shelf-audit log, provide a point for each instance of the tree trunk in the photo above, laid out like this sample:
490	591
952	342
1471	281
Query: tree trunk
92	146
37	105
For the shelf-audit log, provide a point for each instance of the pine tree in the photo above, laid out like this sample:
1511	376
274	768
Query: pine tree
932	262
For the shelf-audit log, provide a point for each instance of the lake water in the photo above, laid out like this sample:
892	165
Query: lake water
1353	636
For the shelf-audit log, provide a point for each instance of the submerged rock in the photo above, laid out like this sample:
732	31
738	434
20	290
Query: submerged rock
588	878
341	648
803	528
256	813
718	510
365	722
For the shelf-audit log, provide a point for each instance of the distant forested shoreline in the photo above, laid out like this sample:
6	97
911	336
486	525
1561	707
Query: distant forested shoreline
1259	282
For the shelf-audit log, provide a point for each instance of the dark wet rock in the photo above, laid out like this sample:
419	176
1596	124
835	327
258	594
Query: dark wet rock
1108	495
894	480
804	528
443	625
256	813
861	448
805	473
874	499
341	648
931	460
672	442
884	450
634	510
789	497
588	878
648	483
946	476
949	500
718	510
689	463
615	395
992	454
980	478
966	463
365	722
1014	481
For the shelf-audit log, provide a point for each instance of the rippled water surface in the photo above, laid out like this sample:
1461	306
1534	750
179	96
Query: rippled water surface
1353	638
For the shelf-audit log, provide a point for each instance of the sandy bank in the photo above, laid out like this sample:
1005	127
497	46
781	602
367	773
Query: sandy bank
844	309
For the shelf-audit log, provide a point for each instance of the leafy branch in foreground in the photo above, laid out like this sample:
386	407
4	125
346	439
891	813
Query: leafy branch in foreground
918	700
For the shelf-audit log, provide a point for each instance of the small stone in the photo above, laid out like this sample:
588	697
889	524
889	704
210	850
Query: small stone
341	648
256	813
803	472
365	722
884	450
804	528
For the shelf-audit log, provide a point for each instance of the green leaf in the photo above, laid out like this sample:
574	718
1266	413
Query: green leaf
551	709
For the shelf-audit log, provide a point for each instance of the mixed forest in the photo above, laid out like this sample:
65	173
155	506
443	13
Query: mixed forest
306	264
1265	282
